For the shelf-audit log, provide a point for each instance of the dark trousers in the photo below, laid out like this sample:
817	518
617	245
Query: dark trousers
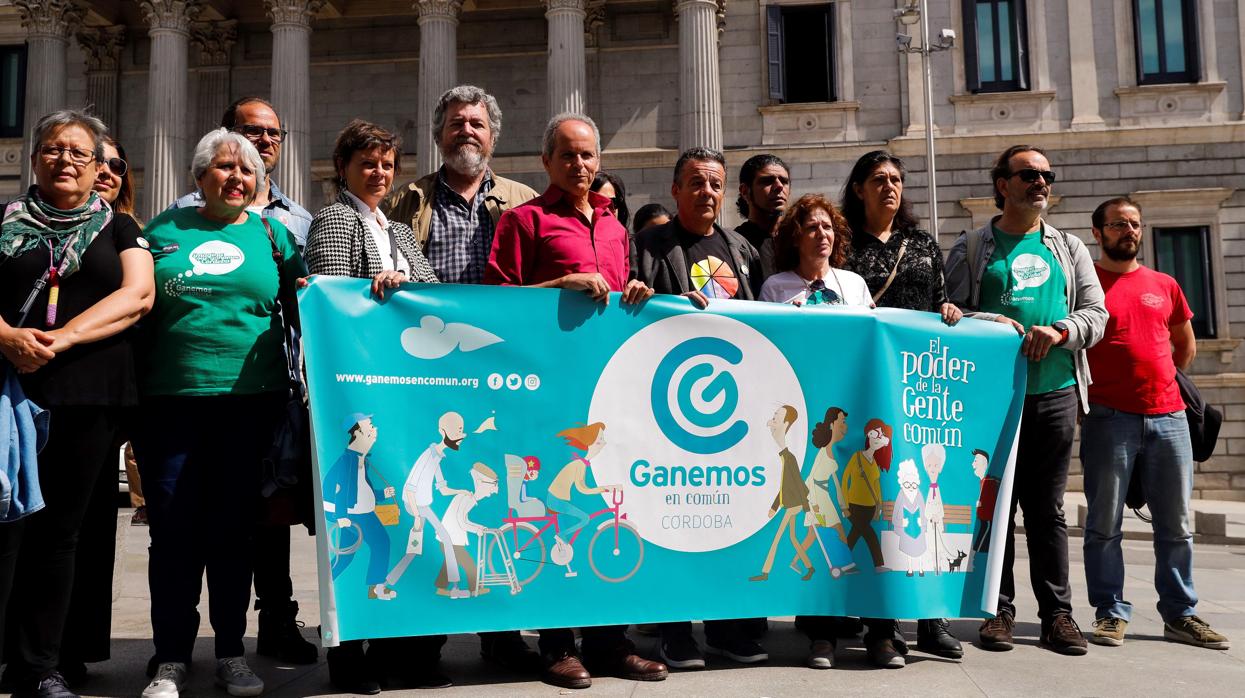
1047	426
862	527
271	551
599	641
199	459
37	554
88	627
717	632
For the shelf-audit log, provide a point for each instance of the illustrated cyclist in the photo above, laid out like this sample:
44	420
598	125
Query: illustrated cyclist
590	439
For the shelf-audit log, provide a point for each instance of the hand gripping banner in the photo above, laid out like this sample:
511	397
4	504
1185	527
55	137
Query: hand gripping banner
500	458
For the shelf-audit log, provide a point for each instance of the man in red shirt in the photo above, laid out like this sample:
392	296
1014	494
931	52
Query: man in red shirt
1136	422
567	238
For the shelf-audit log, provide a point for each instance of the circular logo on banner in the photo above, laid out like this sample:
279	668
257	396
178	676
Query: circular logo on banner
694	406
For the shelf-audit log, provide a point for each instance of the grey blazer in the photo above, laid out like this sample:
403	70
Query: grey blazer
339	244
661	264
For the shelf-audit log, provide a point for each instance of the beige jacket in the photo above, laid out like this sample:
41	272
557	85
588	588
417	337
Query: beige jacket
412	204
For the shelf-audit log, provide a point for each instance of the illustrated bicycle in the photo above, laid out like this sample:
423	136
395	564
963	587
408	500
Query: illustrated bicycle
614	553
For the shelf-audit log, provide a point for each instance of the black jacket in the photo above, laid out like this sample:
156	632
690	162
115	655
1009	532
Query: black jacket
661	264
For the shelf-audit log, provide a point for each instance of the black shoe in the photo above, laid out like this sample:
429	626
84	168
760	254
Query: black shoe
682	652
884	655
51	686
740	649
279	635
426	677
73	671
933	635
508	650
349	670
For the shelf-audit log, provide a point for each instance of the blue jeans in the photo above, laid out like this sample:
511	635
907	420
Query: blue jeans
1113	444
377	542
564	509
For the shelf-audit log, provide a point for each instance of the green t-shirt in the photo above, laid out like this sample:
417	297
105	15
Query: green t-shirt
213	328
1025	282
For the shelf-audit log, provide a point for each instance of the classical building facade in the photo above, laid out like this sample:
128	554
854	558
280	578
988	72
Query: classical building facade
1138	97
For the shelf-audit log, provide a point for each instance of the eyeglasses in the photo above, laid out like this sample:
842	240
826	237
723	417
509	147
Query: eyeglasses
1031	175
1121	226
253	132
818	294
117	166
77	156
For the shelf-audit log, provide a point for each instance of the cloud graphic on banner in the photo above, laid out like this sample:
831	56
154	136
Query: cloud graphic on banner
435	338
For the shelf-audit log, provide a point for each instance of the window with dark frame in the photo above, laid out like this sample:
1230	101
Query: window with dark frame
800	45
1166	39
996	46
1184	254
12	90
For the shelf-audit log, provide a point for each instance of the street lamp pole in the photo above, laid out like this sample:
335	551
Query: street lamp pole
913	11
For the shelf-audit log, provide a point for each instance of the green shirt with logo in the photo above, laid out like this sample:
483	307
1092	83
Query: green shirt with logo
1025	282
213	329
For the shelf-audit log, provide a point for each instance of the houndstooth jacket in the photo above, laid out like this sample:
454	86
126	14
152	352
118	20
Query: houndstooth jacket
339	244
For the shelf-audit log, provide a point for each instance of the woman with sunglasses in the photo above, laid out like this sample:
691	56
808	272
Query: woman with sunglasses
73	277
810	248
611	187
114	184
903	266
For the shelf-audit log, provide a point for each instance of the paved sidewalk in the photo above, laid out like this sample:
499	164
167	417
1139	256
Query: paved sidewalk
1145	665
1213	520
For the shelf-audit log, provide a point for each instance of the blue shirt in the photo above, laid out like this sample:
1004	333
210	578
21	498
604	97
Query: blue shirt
460	234
281	207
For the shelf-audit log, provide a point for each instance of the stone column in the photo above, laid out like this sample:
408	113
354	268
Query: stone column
165	175
700	98
291	91
213	41
565	65
1084	72
48	23
102	48
438	72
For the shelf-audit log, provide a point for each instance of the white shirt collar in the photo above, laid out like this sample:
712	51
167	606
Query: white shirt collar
367	213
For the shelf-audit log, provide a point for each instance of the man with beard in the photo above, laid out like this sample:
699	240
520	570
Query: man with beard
1137	426
256	119
764	185
1020	271
454	211
417	499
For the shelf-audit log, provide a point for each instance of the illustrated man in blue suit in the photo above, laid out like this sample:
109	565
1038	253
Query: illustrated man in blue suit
350	496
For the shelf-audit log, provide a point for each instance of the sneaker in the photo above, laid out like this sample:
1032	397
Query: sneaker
169	679
739	649
682	653
51	686
140	516
884	655
1192	630
1109	631
933	635
821	655
996	633
233	675
1064	636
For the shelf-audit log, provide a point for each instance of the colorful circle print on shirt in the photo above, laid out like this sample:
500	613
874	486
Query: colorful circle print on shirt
714	278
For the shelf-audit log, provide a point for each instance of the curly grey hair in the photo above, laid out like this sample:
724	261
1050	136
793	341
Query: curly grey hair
466	94
211	144
57	120
547	142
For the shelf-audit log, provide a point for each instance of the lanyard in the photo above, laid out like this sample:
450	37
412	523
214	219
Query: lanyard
50	276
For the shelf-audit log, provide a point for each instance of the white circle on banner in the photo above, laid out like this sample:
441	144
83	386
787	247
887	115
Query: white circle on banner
687	404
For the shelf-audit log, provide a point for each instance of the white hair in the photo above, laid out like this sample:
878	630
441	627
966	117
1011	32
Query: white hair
551	129
209	146
933	453
907	472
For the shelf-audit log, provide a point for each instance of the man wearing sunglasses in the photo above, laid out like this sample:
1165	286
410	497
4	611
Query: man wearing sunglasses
1020	271
257	120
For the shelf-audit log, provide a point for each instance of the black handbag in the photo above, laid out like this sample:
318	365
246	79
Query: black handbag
1204	423
286	479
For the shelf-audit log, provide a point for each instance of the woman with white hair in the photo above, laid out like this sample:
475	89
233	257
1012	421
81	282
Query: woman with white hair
73	277
212	389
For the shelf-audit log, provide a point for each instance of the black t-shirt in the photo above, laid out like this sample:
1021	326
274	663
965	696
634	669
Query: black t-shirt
98	373
753	233
711	268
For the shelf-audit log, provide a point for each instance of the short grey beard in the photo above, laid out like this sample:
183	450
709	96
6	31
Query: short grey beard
466	162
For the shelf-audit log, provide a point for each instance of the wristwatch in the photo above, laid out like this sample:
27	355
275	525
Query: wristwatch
1062	328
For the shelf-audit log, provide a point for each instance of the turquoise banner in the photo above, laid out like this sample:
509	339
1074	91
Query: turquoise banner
501	458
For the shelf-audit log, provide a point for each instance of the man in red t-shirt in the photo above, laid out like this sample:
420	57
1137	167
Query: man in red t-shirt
1136	423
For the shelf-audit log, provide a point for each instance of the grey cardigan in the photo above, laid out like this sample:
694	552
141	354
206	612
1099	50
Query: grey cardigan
1088	319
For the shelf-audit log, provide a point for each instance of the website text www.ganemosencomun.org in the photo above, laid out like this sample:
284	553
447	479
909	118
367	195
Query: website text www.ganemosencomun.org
439	381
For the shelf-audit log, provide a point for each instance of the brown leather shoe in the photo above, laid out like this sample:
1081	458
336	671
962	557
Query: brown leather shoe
628	665
566	672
